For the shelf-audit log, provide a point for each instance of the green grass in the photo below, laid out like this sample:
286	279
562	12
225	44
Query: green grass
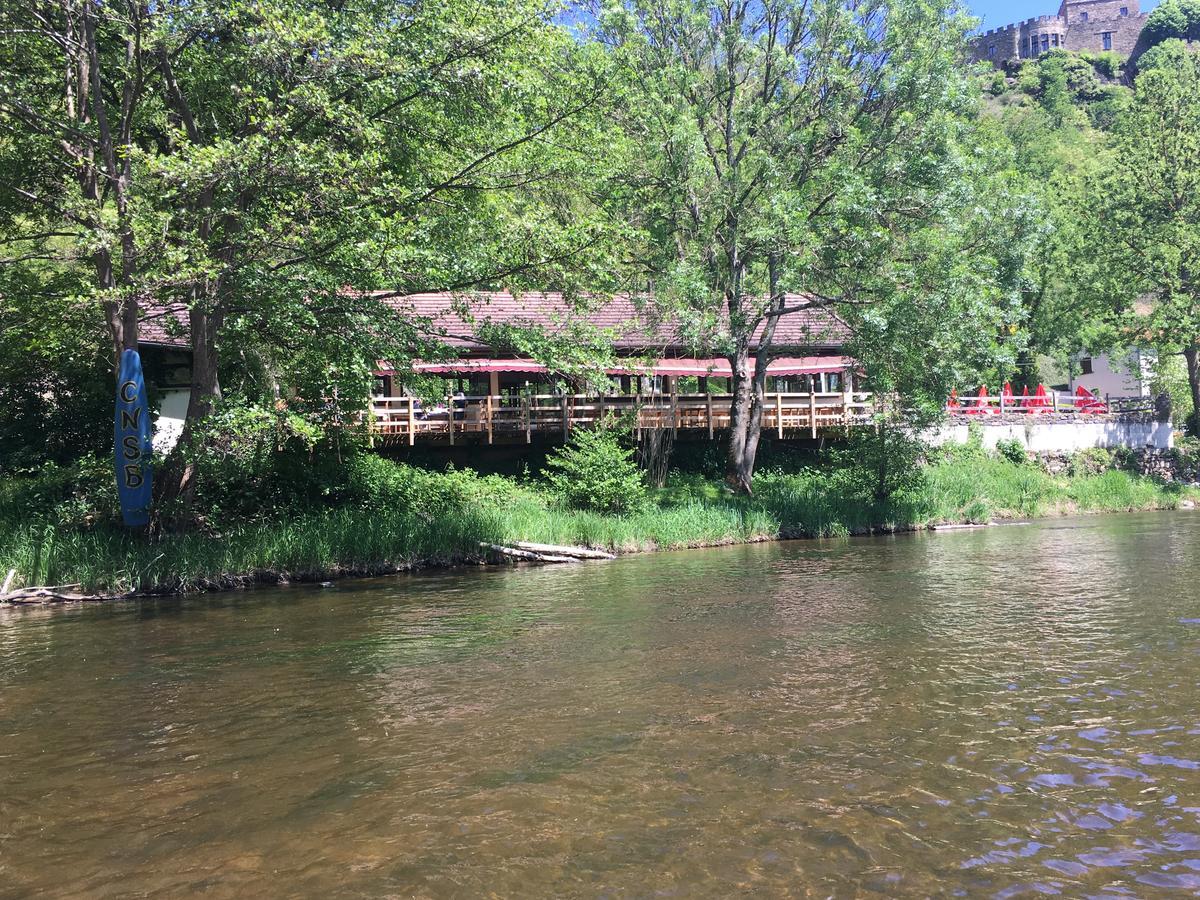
48	541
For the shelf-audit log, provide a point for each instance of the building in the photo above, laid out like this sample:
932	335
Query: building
1117	375
1095	25
490	387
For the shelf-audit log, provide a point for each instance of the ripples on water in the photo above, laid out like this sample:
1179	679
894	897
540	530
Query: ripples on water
1003	712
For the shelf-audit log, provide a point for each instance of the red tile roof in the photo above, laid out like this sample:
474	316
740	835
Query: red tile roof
631	325
457	318
164	326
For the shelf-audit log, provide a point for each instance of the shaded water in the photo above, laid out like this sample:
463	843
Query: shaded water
972	713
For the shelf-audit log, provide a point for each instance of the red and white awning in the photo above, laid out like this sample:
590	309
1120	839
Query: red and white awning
715	367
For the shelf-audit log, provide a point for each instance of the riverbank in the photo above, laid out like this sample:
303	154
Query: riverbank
405	518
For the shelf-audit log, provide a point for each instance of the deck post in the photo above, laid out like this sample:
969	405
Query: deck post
450	418
526	415
674	411
847	401
1054	401
708	413
779	415
566	414
600	412
1002	401
489	417
812	412
637	412
412	420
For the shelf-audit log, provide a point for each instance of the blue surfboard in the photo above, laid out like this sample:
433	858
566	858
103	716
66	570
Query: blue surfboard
134	442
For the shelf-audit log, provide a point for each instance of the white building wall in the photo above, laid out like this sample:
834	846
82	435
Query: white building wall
168	421
1117	375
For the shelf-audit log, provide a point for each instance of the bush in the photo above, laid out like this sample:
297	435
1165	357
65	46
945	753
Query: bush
1013	451
1106	62
970	450
1093	461
882	462
596	471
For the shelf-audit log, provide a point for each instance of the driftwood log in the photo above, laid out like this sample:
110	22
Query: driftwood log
62	593
524	551
558	550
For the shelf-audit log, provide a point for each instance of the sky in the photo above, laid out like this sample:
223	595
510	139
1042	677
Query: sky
1004	12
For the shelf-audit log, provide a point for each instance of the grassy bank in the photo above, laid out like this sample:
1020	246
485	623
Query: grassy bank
406	518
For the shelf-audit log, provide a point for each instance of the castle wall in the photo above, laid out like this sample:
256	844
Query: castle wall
1095	25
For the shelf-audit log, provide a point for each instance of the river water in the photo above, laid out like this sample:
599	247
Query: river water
997	712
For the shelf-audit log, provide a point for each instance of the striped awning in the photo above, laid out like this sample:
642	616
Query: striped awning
715	367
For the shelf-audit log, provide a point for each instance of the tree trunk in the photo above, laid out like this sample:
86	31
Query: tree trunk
1192	355
177	479
749	391
739	463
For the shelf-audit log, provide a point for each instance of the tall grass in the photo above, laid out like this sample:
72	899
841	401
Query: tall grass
390	532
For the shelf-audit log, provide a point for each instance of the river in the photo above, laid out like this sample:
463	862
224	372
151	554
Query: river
1004	711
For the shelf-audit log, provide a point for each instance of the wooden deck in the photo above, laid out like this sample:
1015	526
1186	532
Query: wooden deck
403	420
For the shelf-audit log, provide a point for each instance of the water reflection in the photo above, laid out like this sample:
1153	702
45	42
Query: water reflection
992	712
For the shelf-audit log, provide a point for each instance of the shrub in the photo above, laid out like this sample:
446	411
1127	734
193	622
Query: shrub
1092	461
882	462
1013	451
596	471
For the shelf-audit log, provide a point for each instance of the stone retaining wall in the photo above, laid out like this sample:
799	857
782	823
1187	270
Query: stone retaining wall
1168	465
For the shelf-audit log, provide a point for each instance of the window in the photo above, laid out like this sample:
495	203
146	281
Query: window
1106	37
1085	365
1054	40
1033	46
1083	17
1045	42
991	51
1124	11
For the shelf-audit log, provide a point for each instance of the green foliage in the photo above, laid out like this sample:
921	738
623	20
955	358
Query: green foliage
1173	19
370	515
882	462
263	158
596	471
845	163
1147	223
1106	62
1013	451
1093	461
970	450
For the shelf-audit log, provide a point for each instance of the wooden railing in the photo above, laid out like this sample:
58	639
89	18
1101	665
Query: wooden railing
405	419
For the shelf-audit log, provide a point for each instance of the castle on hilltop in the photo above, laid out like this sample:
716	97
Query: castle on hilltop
1096	25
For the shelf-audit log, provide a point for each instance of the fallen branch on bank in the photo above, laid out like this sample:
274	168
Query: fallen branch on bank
523	551
560	550
61	593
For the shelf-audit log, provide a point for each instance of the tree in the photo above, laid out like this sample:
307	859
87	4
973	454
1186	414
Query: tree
1149	230
262	167
1178	19
822	148
1056	148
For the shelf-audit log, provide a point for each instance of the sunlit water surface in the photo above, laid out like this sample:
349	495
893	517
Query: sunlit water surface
997	712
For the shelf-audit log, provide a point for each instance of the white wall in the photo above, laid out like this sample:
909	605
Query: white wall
1063	437
168	422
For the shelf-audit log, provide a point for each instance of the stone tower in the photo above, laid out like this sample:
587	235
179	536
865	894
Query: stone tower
1095	25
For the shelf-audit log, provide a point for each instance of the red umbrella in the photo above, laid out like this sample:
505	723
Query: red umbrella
1088	402
953	403
1040	401
981	403
1024	405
